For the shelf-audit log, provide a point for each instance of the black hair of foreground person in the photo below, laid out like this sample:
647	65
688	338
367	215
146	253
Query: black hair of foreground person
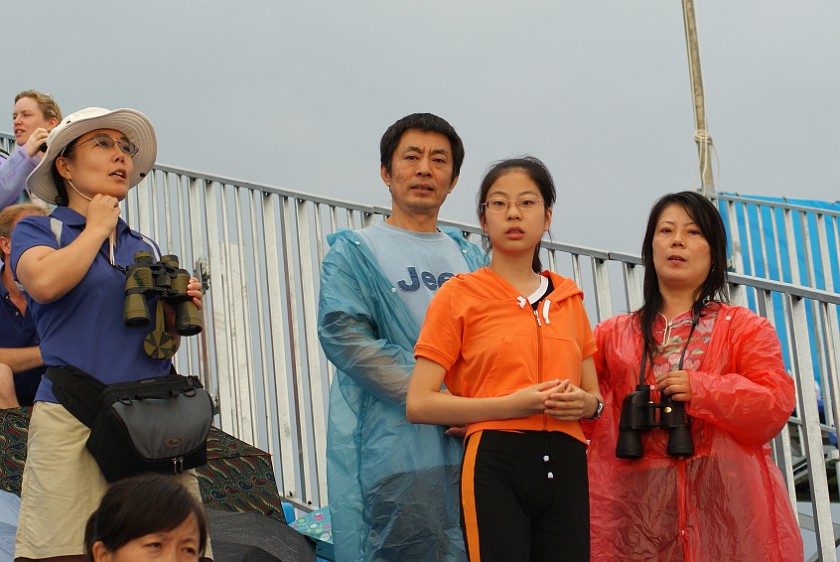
139	506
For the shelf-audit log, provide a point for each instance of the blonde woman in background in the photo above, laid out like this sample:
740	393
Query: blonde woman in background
34	116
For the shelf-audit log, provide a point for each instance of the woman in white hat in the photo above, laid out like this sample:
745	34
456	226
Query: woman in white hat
72	266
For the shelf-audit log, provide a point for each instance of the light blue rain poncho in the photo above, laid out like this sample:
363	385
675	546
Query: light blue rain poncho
379	464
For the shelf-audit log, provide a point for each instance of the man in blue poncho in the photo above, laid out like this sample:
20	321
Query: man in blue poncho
393	486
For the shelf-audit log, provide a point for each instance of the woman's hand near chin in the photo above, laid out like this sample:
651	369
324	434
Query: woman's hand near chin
102	214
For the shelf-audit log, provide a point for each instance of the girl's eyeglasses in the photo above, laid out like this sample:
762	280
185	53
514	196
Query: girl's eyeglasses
502	205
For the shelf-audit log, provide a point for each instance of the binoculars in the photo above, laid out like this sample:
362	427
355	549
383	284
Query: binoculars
639	413
146	278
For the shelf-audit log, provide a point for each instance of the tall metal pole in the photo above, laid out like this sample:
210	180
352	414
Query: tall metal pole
701	135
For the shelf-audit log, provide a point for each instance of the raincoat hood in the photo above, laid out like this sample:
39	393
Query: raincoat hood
492	288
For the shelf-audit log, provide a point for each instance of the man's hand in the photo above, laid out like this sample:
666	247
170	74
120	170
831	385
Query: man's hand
457	431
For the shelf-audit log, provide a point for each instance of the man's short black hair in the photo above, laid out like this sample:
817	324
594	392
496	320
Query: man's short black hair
426	122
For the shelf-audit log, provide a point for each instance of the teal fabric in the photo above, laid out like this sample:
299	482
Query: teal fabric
315	525
377	462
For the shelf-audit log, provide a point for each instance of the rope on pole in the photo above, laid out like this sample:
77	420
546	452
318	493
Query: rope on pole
701	134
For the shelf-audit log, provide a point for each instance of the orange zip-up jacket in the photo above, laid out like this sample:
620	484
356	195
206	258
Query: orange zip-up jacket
492	343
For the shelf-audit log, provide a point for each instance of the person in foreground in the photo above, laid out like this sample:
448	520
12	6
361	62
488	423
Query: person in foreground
705	489
34	116
393	485
72	267
513	345
145	518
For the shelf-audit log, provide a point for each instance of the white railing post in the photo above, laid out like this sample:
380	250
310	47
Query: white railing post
807	407
603	296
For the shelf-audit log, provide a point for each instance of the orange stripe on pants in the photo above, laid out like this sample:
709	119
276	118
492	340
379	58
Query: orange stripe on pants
468	511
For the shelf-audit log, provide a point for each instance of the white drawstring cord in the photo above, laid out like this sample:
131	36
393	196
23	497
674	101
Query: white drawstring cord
77	191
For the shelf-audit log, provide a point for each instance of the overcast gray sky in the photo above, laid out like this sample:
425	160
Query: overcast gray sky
297	94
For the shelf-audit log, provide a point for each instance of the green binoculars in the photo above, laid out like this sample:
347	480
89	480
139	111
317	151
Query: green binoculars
145	279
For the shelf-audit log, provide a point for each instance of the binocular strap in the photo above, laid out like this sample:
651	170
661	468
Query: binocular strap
682	354
159	344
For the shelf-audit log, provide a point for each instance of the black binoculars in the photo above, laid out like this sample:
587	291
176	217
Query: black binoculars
639	413
146	278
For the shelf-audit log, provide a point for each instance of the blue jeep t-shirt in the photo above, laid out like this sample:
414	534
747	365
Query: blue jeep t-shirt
417	263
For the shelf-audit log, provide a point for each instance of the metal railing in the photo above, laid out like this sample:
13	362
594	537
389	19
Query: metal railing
261	247
258	248
7	143
783	241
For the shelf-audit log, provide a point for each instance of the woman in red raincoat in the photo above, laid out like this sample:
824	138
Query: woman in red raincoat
723	365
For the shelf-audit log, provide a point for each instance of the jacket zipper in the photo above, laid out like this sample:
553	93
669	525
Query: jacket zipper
539	359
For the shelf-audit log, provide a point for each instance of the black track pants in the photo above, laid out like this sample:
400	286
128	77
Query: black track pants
525	497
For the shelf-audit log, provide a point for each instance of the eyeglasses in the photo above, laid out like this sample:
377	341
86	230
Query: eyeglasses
527	203
104	141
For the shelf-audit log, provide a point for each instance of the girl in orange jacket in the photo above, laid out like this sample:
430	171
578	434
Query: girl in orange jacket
513	346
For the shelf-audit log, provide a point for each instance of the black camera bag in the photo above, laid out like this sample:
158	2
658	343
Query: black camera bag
152	425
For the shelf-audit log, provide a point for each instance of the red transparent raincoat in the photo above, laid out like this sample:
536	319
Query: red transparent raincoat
726	502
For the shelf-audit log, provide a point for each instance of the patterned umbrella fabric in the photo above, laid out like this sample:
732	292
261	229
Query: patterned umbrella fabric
237	477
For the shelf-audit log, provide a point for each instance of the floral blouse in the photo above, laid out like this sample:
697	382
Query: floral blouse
672	338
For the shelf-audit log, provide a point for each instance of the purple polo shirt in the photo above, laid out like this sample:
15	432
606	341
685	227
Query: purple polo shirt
18	330
85	328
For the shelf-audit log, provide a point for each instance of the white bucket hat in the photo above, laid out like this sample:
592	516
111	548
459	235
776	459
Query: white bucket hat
134	125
